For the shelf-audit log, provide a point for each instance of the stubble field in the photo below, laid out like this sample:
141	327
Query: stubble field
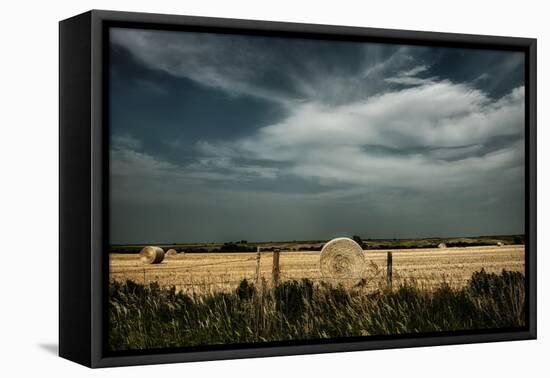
214	272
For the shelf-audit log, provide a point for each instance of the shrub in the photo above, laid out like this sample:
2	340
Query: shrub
245	290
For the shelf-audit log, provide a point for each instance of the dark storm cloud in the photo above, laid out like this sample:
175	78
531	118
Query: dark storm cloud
218	137
169	115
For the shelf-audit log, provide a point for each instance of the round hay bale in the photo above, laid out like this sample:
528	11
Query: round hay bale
171	252
151	255
442	245
500	244
342	258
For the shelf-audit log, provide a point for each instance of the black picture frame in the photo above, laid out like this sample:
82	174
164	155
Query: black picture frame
83	182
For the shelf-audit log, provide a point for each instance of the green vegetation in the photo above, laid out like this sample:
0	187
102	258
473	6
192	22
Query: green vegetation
154	317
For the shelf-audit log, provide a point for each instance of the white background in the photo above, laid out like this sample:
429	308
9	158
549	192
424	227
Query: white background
29	186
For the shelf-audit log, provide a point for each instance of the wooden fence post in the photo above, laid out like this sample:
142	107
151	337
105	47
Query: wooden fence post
258	256
276	270
258	298
389	270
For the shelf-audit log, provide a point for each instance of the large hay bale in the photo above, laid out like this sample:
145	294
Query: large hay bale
151	255
500	244
442	245
171	252
342	258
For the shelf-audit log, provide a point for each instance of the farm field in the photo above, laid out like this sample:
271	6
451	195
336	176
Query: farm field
214	272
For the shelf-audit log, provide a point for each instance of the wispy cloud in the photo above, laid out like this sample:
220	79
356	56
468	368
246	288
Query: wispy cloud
410	78
301	71
414	71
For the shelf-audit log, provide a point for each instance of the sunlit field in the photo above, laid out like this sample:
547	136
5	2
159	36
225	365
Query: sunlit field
200	272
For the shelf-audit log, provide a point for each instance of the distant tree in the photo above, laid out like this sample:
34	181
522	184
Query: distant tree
517	240
244	241
236	247
357	239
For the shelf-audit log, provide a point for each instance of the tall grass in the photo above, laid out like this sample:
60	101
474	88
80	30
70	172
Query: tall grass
143	317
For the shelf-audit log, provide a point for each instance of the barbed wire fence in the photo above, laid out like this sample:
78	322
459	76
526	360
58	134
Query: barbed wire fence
373	274
271	267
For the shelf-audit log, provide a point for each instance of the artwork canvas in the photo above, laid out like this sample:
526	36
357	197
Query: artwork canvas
233	188
267	180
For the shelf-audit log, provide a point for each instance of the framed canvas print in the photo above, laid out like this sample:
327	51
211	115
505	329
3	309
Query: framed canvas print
234	188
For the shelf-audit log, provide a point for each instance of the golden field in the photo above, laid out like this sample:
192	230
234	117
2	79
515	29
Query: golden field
211	272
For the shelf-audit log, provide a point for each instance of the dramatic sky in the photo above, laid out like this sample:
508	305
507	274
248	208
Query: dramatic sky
227	137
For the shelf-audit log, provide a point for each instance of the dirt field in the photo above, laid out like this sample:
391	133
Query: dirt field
223	271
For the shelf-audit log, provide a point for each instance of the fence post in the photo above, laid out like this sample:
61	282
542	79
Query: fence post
276	270
258	256
389	270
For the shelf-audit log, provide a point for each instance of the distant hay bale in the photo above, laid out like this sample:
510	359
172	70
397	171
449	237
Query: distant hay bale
342	258
171	252
442	245
500	244
151	255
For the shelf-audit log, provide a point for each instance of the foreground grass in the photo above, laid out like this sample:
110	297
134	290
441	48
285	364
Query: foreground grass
143	317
